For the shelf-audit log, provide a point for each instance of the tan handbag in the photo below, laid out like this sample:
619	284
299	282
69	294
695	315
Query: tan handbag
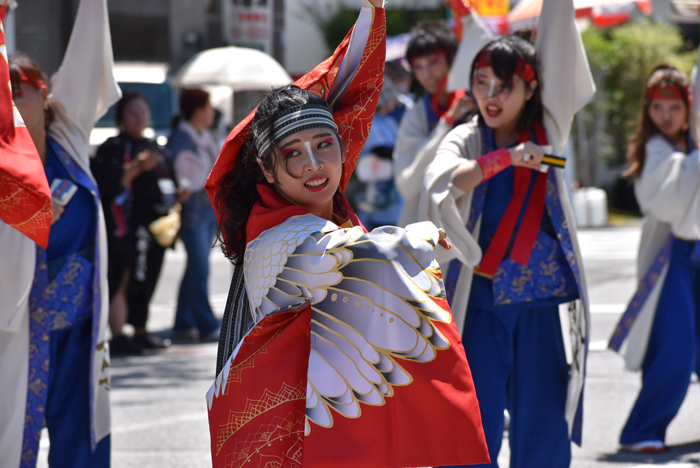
165	228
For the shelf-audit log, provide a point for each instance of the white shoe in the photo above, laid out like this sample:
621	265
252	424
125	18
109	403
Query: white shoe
648	446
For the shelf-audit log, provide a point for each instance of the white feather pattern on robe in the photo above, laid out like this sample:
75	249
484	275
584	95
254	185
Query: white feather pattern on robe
371	297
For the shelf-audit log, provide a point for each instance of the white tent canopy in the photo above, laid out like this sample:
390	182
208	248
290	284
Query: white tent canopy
241	68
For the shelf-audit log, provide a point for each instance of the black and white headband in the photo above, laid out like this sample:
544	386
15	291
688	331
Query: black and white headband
293	120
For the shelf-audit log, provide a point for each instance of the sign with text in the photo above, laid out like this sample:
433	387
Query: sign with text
249	23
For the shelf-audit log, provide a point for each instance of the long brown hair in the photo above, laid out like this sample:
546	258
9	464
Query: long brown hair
663	75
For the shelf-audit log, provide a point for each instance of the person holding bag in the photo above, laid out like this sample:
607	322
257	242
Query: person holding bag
193	152
137	190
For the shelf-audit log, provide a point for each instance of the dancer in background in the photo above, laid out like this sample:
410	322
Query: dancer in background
350	335
430	52
662	322
68	305
25	217
136	189
380	204
521	306
194	151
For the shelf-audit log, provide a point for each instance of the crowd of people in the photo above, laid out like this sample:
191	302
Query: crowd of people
396	257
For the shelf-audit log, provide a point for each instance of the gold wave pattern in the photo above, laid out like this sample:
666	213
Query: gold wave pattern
255	408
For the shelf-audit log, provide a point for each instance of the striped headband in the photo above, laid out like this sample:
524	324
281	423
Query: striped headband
294	120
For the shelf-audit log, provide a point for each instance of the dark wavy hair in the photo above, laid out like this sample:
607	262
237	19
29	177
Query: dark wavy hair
505	51
428	37
238	192
662	75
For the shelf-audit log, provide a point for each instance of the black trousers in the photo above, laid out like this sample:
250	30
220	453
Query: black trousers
119	255
147	260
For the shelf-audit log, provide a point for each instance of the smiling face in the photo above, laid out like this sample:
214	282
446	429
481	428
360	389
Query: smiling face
500	104
670	116
309	167
430	70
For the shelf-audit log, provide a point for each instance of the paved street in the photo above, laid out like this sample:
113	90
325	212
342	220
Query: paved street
159	412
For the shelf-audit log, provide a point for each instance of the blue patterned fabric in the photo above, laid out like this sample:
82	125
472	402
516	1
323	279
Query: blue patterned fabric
552	275
57	303
651	277
75	230
549	277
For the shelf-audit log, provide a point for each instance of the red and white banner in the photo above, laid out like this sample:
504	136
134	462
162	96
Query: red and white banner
25	198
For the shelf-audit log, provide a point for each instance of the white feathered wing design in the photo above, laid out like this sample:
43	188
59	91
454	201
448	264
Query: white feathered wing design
371	302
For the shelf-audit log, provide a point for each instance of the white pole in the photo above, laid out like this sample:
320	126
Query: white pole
10	34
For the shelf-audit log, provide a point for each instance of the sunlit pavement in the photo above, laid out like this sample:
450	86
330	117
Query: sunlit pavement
159	416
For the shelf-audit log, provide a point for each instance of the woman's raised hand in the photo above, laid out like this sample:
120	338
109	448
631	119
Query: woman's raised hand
527	154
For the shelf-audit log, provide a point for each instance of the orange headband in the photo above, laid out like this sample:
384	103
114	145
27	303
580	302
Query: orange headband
522	68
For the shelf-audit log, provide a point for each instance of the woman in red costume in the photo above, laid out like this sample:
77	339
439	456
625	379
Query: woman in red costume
334	338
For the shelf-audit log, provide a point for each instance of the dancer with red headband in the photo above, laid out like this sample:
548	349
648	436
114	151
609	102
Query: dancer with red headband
25	219
662	323
514	277
68	356
430	52
337	345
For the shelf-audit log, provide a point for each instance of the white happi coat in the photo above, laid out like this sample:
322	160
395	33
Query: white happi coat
82	91
668	193
567	85
17	263
416	144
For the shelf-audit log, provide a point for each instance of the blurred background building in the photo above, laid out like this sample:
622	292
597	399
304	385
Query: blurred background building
152	39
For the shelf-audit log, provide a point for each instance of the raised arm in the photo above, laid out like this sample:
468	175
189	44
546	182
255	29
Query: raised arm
567	84
84	87
669	188
475	35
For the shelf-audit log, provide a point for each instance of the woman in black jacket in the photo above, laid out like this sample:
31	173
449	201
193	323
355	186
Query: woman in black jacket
136	189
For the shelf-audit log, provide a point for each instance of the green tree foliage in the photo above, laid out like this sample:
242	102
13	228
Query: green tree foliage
397	22
621	60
